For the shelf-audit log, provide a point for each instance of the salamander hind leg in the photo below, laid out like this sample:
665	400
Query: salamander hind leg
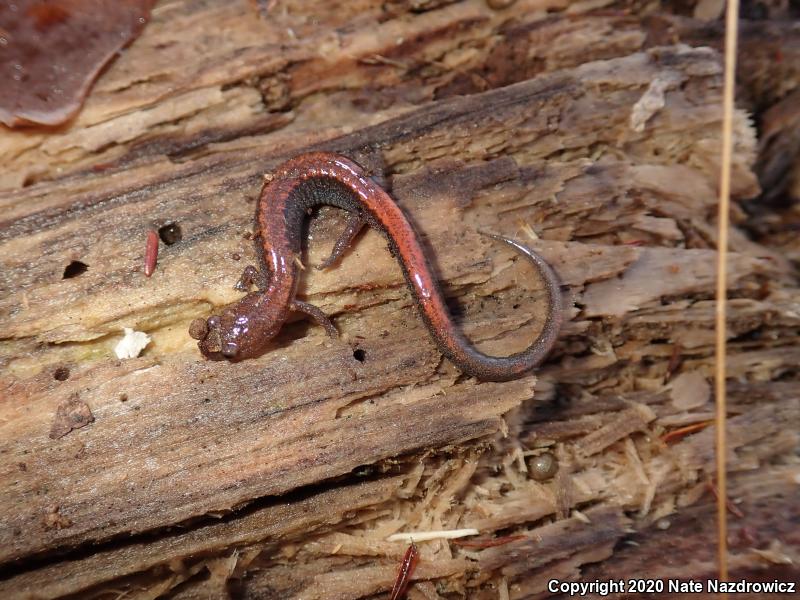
316	314
355	223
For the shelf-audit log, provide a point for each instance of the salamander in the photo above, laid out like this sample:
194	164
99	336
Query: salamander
320	178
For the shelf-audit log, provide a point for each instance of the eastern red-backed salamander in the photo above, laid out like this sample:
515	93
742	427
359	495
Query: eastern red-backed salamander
243	329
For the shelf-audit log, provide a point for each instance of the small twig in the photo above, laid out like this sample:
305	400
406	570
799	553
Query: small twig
150	253
728	504
404	574
377	59
490	543
425	536
675	360
731	25
682	431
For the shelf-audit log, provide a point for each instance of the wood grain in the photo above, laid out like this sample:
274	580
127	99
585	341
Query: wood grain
587	134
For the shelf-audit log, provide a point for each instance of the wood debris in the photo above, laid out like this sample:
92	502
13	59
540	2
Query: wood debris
70	415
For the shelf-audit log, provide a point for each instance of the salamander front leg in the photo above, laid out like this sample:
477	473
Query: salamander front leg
251	276
355	223
316	314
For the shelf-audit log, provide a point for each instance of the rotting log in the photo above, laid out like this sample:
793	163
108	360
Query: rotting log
282	476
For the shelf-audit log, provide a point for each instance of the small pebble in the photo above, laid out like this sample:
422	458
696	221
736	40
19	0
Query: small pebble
543	466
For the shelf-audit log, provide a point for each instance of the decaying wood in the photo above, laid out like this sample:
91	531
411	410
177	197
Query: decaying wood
762	549
593	137
305	513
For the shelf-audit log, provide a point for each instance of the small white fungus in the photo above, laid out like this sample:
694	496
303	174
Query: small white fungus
131	345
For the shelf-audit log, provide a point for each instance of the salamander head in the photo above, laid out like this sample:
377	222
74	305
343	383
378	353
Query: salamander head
239	331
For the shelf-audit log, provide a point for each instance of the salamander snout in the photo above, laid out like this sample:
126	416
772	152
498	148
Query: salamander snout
219	336
239	331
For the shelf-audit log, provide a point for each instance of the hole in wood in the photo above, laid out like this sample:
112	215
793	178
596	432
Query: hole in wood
74	269
170	233
359	354
61	374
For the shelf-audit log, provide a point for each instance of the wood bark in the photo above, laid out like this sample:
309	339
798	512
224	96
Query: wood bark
590	135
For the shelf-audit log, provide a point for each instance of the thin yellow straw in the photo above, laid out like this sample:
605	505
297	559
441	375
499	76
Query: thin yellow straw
722	278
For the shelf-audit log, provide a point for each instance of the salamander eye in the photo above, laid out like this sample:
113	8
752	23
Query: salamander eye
213	322
230	349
